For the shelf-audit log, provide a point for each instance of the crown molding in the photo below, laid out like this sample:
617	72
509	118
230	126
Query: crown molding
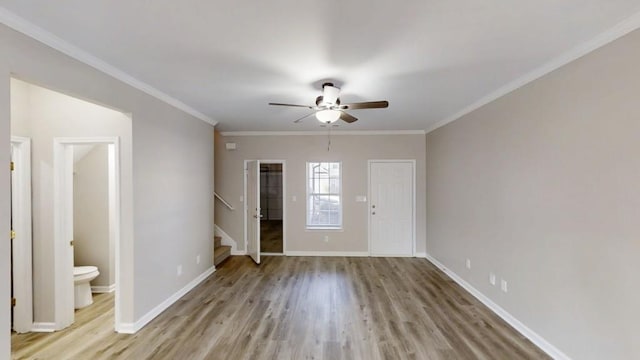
322	133
619	30
27	28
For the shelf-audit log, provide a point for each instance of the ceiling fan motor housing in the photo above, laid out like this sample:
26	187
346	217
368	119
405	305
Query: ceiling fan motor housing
321	103
330	94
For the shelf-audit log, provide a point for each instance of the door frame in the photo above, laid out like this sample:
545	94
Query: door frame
284	202
63	221
22	244
413	200
250	222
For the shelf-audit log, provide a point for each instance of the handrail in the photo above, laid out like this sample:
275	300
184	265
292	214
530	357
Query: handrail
223	201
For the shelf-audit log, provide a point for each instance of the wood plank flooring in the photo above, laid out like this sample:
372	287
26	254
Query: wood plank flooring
300	308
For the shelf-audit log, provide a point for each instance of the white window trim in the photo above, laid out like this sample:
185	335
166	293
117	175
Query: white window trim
306	215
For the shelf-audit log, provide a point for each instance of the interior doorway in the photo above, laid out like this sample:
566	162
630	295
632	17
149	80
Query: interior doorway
66	153
43	245
264	202
271	201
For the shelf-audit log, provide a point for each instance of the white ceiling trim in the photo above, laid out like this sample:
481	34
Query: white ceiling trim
21	25
322	133
621	29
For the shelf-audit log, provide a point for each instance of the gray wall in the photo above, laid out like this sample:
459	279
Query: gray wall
542	188
171	187
352	150
91	245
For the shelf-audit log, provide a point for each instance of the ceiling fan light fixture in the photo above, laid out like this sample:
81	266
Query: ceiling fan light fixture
328	116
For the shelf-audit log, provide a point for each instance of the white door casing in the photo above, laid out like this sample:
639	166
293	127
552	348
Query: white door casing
392	208
22	243
253	210
63	234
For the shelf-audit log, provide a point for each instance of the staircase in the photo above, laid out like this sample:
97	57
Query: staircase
220	252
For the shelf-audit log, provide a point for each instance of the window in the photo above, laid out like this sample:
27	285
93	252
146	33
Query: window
324	203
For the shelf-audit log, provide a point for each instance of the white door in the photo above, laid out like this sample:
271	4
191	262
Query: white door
391	199
63	233
21	271
253	210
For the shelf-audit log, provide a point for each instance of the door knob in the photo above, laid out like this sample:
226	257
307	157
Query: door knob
373	213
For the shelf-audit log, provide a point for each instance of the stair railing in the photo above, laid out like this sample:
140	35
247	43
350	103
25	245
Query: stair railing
223	201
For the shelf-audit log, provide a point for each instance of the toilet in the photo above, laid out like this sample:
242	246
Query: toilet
82	275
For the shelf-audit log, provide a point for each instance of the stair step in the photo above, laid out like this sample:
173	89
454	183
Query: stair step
217	241
220	254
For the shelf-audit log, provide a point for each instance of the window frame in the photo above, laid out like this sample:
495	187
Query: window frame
309	193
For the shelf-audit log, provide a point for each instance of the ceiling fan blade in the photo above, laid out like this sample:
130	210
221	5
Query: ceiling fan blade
304	117
294	105
346	117
365	105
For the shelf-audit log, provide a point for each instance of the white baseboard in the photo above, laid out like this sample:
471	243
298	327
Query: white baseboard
391	255
103	289
543	344
328	253
227	240
421	255
45	327
129	328
126	328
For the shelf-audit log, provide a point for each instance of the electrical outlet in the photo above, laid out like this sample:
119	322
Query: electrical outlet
468	263
198	259
492	279
326	238
179	270
241	198
294	198
503	285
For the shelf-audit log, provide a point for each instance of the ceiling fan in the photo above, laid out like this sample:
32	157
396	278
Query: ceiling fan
328	108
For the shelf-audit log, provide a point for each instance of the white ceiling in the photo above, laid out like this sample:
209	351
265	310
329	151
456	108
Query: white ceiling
228	59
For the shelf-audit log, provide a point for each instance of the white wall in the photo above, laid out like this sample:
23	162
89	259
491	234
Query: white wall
171	187
91	245
352	150
542	188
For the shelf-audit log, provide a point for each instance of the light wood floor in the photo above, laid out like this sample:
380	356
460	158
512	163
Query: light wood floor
300	308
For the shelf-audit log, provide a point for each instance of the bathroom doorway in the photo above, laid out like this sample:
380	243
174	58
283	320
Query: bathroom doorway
92	245
271	208
77	163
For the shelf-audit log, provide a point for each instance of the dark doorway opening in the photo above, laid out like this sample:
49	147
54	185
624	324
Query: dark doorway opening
271	201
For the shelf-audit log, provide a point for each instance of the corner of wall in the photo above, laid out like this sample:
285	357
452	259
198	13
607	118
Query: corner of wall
228	241
132	328
538	340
